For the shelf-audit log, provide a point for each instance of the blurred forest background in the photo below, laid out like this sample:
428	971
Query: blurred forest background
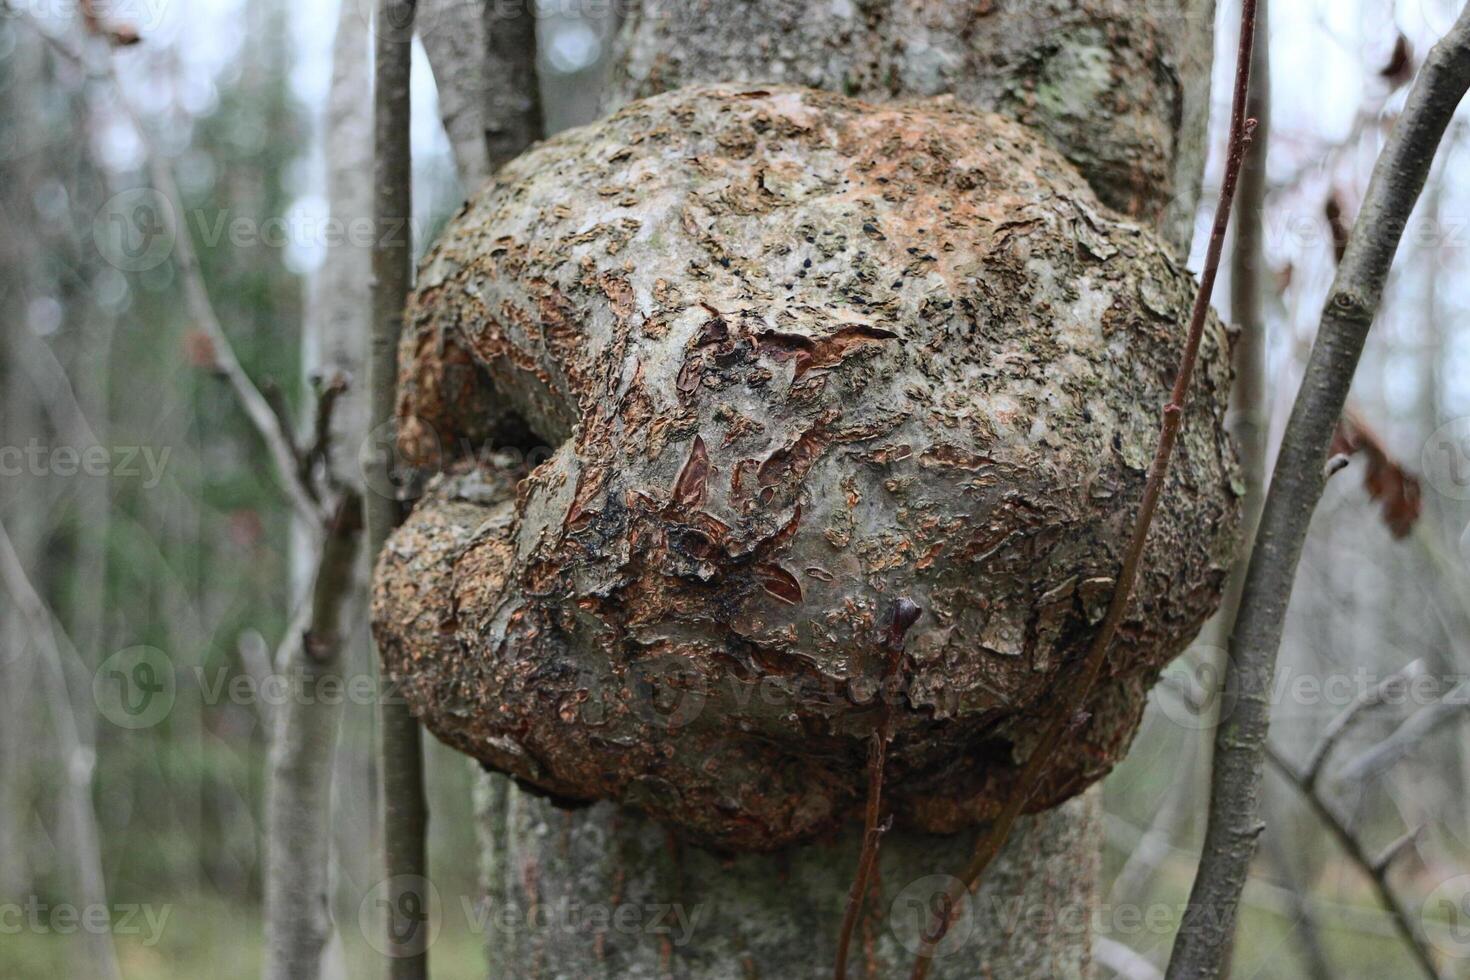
140	506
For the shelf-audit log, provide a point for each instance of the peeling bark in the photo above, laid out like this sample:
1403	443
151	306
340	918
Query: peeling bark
799	356
1121	88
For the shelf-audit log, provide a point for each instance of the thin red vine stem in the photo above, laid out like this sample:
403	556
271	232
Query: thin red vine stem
1076	695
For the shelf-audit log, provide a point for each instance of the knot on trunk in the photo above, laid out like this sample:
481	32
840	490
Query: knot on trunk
793	357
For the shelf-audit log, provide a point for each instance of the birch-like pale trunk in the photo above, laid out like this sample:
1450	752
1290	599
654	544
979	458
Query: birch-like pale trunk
298	834
615	872
77	757
484	60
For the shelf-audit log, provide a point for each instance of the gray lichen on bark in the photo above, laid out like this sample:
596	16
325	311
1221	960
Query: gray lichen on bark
799	356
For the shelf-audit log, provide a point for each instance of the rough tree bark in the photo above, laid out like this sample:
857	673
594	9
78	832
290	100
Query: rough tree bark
1121	88
1072	71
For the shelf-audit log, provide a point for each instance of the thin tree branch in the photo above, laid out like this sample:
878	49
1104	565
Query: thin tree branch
404	810
1376	870
1296	486
1407	737
1340	725
78	757
298	815
329	392
1080	686
262	417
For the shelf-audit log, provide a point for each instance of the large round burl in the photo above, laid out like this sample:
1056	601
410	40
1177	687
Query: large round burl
798	357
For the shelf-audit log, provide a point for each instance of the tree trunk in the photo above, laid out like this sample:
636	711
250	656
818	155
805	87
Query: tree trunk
328	577
1123	90
605	893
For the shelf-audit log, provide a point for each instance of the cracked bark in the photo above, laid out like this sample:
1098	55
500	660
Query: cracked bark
1136	77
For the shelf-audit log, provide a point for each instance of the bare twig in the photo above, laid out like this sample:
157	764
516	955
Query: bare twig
1376	869
1081	686
405	813
257	408
1407	737
1339	726
1296	486
1249	421
329	392
905	614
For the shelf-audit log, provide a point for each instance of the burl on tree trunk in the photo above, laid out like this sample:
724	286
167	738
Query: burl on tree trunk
799	356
